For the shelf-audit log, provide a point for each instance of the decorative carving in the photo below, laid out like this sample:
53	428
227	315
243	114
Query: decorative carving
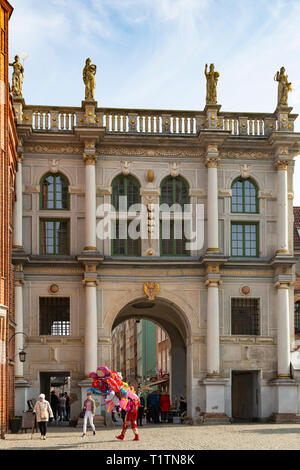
245	290
284	86
212	148
150	176
125	168
174	170
153	152
53	289
245	169
151	289
89	79
211	84
234	155
53	148
17	77
54	166
89	159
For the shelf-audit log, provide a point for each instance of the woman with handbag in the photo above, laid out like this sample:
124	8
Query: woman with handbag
43	412
89	408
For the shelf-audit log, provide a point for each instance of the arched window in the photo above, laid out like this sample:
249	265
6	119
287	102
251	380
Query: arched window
122	243
54	192
125	186
244	196
297	317
174	191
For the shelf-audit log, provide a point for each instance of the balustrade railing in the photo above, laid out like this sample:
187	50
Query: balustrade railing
156	122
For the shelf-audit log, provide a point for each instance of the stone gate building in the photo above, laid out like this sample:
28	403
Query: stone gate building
227	306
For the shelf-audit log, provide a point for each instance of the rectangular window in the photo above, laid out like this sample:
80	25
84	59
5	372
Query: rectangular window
54	237
122	243
245	317
55	316
173	238
244	239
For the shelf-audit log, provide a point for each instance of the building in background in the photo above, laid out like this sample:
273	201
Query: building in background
8	168
146	350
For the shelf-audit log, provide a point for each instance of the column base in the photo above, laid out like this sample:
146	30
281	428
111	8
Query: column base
90	248
212	250
282	252
284	418
215	418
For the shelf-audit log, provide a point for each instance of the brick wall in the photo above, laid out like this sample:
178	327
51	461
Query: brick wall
8	167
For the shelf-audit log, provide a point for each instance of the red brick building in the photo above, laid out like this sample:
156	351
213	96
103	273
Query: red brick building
8	168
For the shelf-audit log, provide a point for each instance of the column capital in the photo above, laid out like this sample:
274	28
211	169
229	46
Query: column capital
90	282
213	282
212	162
90	158
281	165
283	284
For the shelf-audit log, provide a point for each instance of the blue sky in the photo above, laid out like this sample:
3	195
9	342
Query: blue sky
152	53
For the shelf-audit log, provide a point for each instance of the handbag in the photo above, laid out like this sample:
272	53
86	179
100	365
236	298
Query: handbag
81	414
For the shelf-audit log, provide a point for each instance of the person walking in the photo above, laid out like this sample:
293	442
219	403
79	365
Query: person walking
165	407
54	403
155	405
61	407
68	406
89	408
43	412
141	408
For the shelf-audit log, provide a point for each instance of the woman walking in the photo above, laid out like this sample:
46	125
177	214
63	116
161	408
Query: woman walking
43	412
89	408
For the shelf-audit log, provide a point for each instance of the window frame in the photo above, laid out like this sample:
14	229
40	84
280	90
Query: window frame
69	312
55	175
243	180
258	299
244	223
126	243
174	179
56	219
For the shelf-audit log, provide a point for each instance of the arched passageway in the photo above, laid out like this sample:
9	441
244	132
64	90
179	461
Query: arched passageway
171	319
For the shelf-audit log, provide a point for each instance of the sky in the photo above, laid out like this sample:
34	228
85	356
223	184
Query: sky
152	53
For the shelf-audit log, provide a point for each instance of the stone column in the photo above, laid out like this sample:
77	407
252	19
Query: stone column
282	207
212	199
283	330
90	159
91	334
18	208
212	338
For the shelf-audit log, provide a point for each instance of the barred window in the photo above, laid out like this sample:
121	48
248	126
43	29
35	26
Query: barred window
245	316
55	316
297	317
54	192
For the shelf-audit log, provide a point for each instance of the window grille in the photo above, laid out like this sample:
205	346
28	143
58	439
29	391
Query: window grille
245	316
297	317
244	197
55	316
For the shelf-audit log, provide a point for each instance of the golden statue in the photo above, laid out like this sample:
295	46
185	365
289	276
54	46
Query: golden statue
17	77
89	79
284	86
151	290
211	84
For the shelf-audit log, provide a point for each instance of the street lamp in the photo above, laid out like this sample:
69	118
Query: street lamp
22	353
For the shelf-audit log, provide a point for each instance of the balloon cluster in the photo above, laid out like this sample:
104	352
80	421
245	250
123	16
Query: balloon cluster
113	390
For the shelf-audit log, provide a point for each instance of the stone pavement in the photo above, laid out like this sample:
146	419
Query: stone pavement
165	437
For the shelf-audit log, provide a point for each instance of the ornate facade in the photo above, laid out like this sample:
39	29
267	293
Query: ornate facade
227	304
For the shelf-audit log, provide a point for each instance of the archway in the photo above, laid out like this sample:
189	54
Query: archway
168	316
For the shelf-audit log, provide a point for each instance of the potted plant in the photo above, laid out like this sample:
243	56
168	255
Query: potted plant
15	424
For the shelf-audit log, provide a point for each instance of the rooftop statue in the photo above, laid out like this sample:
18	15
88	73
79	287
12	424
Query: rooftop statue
17	77
211	84
284	86
89	79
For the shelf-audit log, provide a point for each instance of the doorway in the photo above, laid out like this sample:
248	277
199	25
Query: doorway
245	395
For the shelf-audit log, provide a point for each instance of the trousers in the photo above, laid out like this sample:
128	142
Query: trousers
88	415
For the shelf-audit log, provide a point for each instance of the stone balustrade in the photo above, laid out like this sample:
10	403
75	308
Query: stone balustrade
136	121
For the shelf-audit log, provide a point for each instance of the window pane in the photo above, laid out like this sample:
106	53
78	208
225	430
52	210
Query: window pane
55	316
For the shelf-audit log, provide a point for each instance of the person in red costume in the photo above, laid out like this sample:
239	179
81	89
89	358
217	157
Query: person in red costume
131	417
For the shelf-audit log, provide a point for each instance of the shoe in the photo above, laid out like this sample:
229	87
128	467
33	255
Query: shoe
94	433
121	437
44	437
136	438
83	435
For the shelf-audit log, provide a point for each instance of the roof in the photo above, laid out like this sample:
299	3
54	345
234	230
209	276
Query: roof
296	225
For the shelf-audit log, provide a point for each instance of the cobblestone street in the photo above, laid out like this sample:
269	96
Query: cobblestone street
173	437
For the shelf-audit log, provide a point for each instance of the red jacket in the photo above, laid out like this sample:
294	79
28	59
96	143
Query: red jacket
165	403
